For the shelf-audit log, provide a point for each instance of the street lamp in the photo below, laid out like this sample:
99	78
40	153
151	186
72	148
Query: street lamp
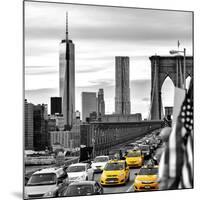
184	62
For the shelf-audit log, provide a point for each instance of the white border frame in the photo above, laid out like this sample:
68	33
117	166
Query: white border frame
12	99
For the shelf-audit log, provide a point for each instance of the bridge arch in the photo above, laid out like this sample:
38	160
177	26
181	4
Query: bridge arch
161	68
167	93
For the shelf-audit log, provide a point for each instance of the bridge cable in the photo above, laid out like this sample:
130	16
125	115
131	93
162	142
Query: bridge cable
153	89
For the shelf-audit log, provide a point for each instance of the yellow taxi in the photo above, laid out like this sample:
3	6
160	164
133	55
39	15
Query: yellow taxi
116	172
147	179
134	158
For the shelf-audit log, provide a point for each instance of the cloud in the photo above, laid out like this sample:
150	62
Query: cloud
141	82
38	67
103	82
40	91
38	50
39	72
99	83
146	99
90	69
130	31
44	33
88	23
99	33
39	96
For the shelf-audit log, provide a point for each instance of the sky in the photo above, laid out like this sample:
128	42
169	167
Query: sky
100	34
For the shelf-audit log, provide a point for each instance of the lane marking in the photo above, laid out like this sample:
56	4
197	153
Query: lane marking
132	172
129	189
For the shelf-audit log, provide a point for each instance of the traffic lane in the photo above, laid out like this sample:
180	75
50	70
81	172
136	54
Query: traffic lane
118	188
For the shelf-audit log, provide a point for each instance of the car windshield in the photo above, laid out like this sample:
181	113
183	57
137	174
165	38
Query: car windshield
114	166
134	154
78	190
76	169
148	171
42	179
101	159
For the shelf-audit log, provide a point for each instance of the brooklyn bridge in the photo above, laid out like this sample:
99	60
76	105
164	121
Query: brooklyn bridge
102	136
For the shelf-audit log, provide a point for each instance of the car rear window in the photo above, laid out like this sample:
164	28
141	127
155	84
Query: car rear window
114	166
148	171
134	154
101	159
78	190
76	169
42	179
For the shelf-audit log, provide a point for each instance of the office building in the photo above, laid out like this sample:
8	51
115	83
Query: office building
67	79
100	103
28	126
89	104
45	111
56	105
122	89
60	123
67	139
40	126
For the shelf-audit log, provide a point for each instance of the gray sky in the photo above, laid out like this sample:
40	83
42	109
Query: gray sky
100	34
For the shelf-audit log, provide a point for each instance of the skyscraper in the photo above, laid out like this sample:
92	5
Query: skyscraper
28	123
89	104
40	138
67	79
122	89
56	105
100	103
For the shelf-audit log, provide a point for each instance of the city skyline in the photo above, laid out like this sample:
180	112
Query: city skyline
98	39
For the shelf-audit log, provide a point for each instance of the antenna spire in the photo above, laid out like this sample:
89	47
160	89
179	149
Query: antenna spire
66	26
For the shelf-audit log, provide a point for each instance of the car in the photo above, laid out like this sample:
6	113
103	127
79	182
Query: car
134	158
99	163
45	183
82	188
131	146
79	172
116	172
146	150
146	179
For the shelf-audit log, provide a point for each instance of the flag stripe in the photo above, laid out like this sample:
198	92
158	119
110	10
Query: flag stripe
187	165
172	155
178	155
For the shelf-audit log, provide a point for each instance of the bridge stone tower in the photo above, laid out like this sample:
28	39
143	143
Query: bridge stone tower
122	89
161	68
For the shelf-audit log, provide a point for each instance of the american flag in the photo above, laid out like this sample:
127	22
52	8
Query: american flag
176	165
